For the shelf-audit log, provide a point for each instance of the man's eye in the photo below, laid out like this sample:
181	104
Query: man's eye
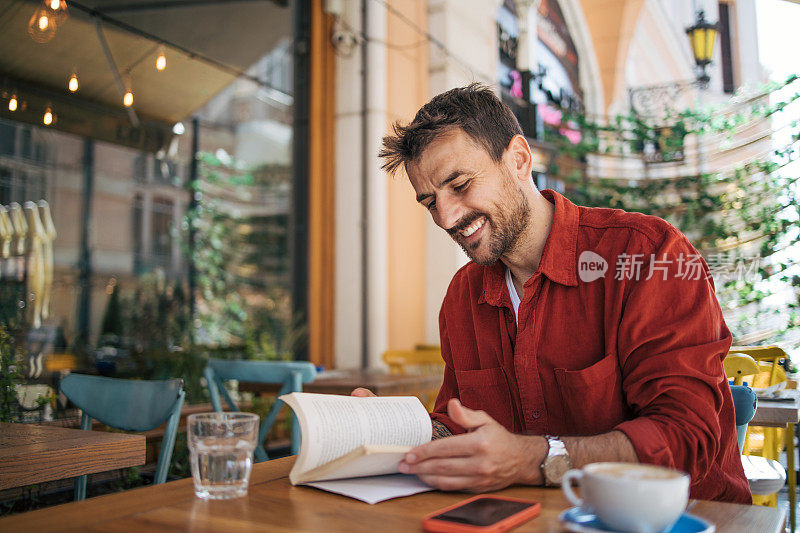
460	187
431	205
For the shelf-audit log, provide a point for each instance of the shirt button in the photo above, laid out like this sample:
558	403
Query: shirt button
536	413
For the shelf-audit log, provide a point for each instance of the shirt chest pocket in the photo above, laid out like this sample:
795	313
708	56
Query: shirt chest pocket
591	398
487	390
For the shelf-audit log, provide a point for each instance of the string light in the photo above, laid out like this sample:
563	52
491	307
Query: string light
73	82
127	100
12	104
57	10
48	117
161	60
41	26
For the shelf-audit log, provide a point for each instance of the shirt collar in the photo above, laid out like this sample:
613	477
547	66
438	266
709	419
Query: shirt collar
559	260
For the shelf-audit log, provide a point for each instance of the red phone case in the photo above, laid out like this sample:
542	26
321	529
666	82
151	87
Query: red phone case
429	523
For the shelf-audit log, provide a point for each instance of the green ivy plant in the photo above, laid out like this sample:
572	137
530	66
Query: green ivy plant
237	306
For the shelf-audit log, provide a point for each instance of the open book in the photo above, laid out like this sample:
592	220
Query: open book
348	437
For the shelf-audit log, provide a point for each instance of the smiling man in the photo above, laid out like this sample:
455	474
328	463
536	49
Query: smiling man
574	335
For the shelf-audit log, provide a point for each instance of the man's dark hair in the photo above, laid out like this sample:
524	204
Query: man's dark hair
474	109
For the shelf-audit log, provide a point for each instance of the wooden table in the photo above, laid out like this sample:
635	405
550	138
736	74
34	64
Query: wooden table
772	413
273	504
379	382
344	381
33	454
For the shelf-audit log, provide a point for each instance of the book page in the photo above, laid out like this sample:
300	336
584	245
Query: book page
375	489
333	425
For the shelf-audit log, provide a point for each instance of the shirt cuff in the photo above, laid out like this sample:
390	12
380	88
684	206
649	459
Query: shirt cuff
648	441
454	428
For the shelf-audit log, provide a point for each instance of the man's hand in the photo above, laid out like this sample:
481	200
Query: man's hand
361	392
486	458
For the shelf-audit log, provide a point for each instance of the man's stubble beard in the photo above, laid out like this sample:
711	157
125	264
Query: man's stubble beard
507	226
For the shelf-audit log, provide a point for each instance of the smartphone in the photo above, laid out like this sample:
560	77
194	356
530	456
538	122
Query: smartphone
482	513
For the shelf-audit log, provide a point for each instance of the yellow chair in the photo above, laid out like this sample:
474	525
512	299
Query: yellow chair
422	362
433	347
769	354
737	366
767	442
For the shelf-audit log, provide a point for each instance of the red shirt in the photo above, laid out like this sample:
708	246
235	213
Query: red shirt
642	356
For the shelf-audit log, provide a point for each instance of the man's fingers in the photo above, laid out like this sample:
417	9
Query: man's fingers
466	417
361	392
449	466
456	446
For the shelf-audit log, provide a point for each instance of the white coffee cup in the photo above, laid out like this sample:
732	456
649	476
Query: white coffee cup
630	497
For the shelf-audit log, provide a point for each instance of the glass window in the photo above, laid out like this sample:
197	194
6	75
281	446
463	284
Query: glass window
121	276
8	135
162	231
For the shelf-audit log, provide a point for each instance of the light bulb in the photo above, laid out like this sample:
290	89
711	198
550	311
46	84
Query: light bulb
161	61
127	100
56	10
12	104
47	119
44	22
73	83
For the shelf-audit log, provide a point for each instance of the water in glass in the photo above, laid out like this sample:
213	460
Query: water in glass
221	448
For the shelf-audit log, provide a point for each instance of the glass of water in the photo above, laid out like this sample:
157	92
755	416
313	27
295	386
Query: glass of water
221	447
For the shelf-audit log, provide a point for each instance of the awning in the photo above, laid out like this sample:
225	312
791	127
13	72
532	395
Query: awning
208	44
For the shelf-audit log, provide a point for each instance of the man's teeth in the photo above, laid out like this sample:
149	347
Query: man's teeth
472	228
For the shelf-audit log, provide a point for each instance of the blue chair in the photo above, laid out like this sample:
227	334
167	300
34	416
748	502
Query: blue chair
744	404
129	405
289	374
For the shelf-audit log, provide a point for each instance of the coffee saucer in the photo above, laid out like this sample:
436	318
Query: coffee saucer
578	520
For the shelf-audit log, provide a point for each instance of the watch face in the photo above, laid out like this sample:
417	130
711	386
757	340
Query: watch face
555	467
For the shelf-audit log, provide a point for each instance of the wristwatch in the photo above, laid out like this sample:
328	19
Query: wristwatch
556	463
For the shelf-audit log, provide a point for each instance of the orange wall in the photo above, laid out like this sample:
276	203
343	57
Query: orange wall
407	72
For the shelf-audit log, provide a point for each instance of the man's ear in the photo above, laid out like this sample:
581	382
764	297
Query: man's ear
519	159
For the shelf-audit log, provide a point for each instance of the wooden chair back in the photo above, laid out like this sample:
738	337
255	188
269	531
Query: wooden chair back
425	362
737	366
129	405
744	403
770	354
291	375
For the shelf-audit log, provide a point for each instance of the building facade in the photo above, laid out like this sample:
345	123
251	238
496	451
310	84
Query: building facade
348	241
392	263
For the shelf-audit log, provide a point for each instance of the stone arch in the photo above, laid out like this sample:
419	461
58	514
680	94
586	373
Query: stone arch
588	66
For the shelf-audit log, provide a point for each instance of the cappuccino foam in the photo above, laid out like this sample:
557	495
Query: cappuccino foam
634	471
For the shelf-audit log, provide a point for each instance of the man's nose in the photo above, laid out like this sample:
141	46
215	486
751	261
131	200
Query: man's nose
450	213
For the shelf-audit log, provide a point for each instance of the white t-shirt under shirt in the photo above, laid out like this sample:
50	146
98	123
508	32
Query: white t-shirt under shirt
512	292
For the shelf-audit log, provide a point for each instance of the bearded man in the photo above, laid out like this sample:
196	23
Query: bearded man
574	334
